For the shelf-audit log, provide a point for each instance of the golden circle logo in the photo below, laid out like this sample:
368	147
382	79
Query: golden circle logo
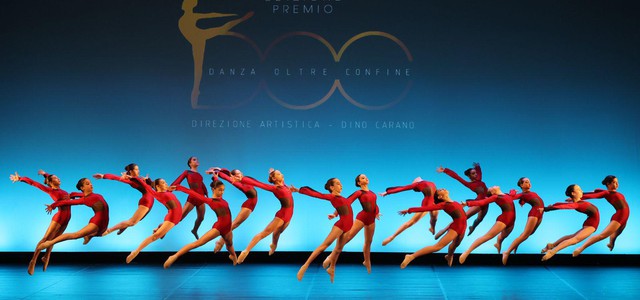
198	37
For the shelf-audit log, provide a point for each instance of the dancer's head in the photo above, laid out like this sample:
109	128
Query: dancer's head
275	176
236	174
84	185
217	187
471	173
574	191
160	185
333	185
192	162
611	182
524	183
441	195
189	5
361	180
52	180
132	170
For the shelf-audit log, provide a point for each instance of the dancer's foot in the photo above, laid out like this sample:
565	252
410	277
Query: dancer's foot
121	231
87	239
301	272
471	229
549	255
407	259
432	230
107	232
272	249
218	246
548	247
505	257
132	256
327	261
610	245
170	261
242	256
234	259
439	234
45	261
463	258
577	252
449	259
387	241
367	264
332	273
195	233
498	245
32	267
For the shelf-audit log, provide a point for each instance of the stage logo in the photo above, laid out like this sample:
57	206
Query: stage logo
291	70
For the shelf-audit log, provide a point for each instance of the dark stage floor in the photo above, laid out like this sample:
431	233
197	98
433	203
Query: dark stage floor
219	280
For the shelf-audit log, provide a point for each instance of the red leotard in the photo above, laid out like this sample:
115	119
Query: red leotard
426	187
169	200
218	205
477	186
63	215
281	192
369	207
453	209
534	200
195	181
593	215
248	190
618	202
99	206
341	204
147	198
508	215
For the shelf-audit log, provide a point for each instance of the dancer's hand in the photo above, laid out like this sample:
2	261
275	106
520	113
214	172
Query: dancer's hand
98	176
378	216
383	194
293	189
41	172
49	208
171	188
14	177
403	212
440	169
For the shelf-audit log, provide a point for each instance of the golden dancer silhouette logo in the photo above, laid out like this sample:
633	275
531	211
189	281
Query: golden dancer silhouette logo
198	38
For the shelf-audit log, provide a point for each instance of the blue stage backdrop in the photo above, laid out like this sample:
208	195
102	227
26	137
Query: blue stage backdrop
318	89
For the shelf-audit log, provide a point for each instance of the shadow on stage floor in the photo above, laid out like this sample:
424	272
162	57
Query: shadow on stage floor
203	275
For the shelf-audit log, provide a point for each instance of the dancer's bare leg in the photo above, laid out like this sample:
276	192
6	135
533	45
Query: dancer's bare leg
208	236
333	235
164	228
88	230
578	237
275	237
122	226
414	219
50	234
607	232
275	223
240	218
528	230
432	221
495	230
450	236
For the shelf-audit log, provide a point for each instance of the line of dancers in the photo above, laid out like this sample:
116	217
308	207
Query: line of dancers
434	199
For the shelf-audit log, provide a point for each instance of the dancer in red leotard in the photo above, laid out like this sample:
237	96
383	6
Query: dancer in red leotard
221	228
58	222
477	186
504	223
428	189
339	229
618	220
195	182
534	219
98	223
173	217
144	204
455	231
588	227
234	177
365	219
283	216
